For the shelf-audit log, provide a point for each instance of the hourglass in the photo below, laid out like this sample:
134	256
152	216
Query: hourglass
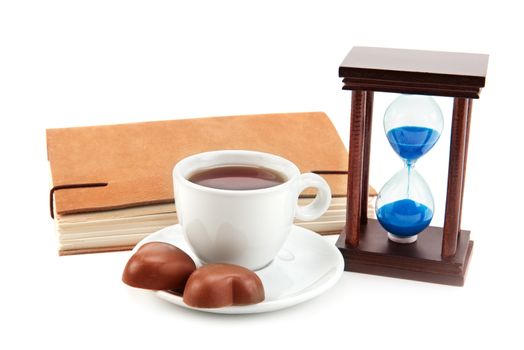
404	207
401	242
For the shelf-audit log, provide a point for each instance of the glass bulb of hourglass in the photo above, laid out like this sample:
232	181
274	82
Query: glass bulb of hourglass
405	205
413	124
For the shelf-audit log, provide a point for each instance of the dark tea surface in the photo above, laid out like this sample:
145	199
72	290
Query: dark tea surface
237	177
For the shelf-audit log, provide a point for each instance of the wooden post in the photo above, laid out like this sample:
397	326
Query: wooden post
470	108
354	189
457	159
366	154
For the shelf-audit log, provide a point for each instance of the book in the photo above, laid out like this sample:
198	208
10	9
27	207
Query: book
112	185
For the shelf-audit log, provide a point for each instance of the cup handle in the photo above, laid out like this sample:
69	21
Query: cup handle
321	202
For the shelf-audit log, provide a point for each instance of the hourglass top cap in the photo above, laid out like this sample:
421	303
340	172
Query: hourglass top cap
435	73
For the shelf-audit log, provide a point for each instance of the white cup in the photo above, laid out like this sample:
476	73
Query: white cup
243	227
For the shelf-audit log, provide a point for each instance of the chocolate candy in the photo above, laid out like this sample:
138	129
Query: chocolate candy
219	285
157	266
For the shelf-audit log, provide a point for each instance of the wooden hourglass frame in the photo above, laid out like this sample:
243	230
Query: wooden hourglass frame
440	255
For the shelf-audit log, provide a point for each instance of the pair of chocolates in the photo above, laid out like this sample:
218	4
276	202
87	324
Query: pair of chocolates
162	266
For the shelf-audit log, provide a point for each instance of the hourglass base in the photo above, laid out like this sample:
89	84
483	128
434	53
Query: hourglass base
420	261
402	239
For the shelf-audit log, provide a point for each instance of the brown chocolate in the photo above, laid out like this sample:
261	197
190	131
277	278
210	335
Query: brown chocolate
219	285
158	266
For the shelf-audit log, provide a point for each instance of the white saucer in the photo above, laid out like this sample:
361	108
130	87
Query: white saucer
305	267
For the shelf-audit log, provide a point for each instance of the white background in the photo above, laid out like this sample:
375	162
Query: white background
72	63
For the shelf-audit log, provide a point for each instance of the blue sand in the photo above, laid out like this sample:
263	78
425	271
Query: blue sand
412	142
404	217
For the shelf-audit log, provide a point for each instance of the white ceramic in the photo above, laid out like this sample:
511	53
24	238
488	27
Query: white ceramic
304	268
246	227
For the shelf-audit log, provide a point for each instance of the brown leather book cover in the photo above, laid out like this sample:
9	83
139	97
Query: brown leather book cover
132	163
